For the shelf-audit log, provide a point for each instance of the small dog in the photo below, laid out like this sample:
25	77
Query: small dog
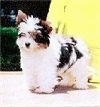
48	59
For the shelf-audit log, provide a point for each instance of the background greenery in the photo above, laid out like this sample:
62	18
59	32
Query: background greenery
10	53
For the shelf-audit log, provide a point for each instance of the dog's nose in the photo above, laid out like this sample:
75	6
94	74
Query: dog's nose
27	44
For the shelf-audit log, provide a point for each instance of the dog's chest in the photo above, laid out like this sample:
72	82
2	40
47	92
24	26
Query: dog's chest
38	61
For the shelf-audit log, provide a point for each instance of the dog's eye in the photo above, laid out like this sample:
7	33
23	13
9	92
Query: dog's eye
21	35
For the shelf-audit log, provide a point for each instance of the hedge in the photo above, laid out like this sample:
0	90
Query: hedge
9	51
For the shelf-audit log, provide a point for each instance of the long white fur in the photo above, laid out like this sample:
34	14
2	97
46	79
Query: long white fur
40	65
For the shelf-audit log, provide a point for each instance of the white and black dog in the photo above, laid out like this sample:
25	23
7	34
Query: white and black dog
47	58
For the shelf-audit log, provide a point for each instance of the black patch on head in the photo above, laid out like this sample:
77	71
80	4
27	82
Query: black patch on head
65	55
78	53
42	37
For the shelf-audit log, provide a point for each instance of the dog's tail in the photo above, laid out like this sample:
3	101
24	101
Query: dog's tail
91	73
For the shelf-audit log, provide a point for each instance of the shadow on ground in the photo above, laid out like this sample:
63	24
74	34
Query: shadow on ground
65	89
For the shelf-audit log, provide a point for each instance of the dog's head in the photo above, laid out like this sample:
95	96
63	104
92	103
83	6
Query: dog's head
33	33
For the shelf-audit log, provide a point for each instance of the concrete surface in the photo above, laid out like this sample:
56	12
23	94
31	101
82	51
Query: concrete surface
14	94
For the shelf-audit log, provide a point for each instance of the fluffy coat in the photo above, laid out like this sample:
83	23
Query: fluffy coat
48	59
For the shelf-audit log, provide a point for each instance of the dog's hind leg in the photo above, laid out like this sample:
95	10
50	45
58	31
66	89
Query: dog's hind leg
81	74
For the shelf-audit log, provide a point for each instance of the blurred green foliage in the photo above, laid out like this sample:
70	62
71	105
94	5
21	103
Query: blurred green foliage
9	51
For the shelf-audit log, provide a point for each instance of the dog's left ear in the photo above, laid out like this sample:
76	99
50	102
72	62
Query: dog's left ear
21	17
46	25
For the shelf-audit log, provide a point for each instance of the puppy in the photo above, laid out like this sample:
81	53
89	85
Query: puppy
48	59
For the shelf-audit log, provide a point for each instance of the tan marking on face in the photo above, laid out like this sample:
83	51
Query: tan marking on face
43	46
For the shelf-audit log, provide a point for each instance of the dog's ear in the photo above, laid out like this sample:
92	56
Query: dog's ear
21	17
46	25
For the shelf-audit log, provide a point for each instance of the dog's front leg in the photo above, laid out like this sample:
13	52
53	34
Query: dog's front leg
46	81
31	81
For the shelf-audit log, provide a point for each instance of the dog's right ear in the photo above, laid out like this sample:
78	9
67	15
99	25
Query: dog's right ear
21	17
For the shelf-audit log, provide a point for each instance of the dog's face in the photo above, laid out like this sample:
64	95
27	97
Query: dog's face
33	33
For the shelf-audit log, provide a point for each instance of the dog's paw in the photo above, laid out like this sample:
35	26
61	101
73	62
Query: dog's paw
81	87
39	90
32	89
